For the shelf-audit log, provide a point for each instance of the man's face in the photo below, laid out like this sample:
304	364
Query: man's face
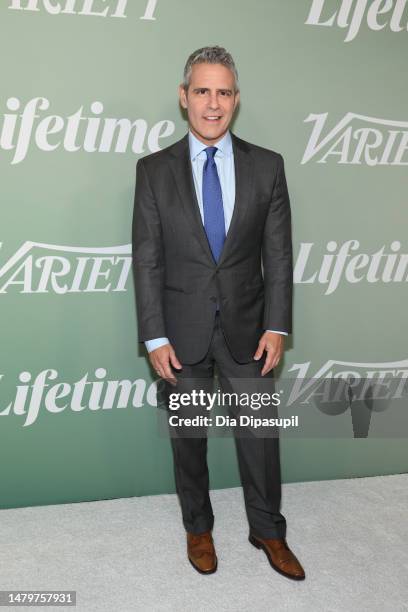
210	101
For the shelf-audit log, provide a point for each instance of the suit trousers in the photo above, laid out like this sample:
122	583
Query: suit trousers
258	457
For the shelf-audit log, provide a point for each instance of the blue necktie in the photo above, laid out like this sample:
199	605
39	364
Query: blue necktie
214	223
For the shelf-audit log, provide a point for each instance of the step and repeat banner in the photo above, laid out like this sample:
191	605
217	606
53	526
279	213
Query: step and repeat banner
90	86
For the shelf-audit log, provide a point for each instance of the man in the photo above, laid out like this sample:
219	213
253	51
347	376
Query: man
211	211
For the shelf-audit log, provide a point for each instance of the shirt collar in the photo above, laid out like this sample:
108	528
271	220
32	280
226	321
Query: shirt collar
224	145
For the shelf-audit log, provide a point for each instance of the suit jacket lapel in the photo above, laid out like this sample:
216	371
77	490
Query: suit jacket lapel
243	168
180	163
183	174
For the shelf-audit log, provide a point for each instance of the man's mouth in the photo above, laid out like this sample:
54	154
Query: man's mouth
213	118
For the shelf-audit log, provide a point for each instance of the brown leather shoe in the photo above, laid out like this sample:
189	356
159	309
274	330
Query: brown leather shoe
280	556
201	552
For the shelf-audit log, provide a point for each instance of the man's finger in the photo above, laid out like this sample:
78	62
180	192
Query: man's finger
174	361
267	368
159	364
158	369
269	361
273	363
168	374
259	350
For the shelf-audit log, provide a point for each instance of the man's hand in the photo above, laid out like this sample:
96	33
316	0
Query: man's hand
273	344
161	358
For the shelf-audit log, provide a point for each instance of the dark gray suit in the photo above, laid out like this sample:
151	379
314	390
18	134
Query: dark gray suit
178	287
178	283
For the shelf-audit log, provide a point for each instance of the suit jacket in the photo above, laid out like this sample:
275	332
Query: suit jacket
177	281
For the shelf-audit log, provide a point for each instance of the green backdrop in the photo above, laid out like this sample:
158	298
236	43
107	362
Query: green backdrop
87	87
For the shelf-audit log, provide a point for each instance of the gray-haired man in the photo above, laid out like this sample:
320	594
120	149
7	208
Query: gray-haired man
210	212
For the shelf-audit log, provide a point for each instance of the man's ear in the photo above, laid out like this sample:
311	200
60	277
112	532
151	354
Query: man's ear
236	101
182	96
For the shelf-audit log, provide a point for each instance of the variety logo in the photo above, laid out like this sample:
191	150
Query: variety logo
43	268
358	139
51	268
77	132
352	372
350	14
91	8
44	391
360	389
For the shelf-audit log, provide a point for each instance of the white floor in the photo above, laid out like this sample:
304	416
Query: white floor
129	554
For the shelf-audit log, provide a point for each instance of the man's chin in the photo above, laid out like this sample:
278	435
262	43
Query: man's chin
212	134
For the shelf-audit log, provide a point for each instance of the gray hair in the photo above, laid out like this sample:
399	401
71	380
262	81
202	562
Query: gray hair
209	55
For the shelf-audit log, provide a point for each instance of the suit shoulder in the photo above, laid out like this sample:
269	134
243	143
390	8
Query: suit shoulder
263	152
157	157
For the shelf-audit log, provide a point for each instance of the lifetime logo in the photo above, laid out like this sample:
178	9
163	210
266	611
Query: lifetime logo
379	14
91	8
383	142
91	133
347	263
37	394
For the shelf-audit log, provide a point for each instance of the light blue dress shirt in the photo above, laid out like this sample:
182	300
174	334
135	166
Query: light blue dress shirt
224	159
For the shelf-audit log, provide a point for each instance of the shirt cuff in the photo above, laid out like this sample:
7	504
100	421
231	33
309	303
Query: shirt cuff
151	345
278	332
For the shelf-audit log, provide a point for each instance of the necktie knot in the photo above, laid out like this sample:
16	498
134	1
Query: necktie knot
211	151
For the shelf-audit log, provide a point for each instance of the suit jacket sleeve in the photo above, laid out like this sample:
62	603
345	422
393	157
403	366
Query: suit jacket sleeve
277	257
147	257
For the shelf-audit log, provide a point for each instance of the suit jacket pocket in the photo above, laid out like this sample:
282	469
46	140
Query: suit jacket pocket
173	288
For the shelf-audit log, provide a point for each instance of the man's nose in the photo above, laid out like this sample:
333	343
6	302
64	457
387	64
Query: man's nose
213	103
